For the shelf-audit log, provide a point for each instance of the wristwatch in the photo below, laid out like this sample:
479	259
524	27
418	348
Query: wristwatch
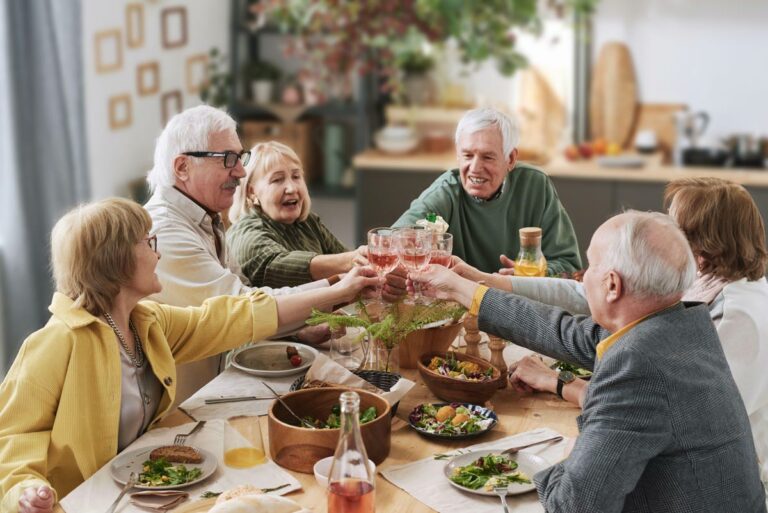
563	378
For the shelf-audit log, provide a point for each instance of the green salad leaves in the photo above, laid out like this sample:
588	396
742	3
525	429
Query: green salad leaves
334	419
489	471
160	472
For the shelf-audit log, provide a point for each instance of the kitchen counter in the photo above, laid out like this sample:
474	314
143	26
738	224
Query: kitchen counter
386	185
653	171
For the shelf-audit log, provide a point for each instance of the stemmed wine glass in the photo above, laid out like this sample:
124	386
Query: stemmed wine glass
442	249
414	249
382	251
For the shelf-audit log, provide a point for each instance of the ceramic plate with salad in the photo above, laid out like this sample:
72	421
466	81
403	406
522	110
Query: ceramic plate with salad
480	471
452	420
160	474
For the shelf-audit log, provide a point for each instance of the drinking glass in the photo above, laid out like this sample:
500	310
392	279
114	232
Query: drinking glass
243	447
442	249
347	348
414	249
382	251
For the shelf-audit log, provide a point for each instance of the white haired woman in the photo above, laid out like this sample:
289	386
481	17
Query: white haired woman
275	238
103	344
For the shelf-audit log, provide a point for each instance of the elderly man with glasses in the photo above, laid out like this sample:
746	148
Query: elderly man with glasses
197	167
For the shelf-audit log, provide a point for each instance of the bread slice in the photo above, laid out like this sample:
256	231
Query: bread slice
177	454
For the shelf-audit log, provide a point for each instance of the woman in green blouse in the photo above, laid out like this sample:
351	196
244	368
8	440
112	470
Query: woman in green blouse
274	237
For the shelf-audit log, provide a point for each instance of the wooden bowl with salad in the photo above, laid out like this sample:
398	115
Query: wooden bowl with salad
457	377
298	448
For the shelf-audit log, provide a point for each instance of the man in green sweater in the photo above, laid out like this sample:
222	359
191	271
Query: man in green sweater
491	196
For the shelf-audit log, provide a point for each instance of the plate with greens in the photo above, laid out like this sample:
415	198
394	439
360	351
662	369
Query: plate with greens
160	474
452	421
576	370
479	471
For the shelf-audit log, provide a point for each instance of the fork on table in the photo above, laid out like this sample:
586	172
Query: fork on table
181	439
132	479
502	492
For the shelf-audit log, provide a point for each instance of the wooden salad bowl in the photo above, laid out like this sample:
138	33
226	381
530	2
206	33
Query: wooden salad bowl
430	340
459	390
299	448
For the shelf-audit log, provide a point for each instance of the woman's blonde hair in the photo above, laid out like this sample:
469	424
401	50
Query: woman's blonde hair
264	157
92	251
723	226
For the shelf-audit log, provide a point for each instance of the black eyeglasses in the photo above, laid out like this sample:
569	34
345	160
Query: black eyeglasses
230	157
152	242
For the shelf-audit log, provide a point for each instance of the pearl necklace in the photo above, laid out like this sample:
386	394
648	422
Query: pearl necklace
138	358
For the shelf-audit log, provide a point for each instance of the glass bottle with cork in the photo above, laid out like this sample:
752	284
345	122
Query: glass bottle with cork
530	261
351	482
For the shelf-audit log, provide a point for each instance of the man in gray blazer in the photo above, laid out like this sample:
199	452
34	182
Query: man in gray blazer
663	427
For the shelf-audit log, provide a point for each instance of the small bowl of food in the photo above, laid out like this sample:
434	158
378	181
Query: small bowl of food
458	377
298	448
322	470
452	421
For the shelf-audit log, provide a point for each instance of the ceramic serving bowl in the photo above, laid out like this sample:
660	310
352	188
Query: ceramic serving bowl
459	390
299	448
322	470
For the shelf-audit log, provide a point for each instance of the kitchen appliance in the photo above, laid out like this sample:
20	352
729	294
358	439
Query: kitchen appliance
690	127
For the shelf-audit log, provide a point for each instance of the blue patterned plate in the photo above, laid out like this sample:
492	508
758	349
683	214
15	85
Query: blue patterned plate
423	420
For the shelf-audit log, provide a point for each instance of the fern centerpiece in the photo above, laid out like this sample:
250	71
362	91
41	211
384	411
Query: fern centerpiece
387	328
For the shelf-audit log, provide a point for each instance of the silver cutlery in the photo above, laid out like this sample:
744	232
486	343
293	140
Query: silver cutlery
128	485
515	450
502	492
304	422
181	439
221	400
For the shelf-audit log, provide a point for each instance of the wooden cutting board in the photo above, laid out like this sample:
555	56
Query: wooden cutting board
614	95
541	113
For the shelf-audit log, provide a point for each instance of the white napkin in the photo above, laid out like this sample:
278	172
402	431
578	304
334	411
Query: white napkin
235	383
98	492
425	481
326	370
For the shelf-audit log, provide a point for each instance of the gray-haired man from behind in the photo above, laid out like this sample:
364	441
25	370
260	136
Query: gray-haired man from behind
663	427
197	167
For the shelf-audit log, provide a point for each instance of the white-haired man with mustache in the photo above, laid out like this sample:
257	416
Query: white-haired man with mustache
198	165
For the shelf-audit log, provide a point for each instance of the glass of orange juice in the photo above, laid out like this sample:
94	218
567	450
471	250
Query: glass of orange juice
243	447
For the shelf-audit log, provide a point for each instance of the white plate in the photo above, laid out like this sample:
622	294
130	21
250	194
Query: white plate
269	359
122	466
528	464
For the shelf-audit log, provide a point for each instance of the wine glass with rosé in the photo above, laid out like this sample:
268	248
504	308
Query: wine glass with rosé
382	251
414	249
442	249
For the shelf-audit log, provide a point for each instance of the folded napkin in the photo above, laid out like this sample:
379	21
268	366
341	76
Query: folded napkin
326	370
159	500
98	492
425	481
235	383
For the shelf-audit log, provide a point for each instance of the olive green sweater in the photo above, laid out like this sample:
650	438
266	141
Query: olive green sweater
483	230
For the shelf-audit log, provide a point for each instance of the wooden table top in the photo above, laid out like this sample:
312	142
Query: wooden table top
517	414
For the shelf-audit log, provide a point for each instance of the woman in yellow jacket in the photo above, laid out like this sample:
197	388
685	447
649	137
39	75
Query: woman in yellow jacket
102	370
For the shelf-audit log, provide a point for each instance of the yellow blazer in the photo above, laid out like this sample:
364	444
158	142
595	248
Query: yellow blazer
60	401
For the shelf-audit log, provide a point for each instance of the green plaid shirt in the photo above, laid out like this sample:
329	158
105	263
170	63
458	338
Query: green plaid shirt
274	254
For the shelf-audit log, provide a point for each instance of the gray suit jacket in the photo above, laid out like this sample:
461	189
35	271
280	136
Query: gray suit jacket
663	428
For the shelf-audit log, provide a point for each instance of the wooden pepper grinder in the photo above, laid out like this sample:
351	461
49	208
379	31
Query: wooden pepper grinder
497	345
471	336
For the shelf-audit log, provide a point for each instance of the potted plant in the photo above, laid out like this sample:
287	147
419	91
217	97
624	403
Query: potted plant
418	85
216	90
385	329
262	76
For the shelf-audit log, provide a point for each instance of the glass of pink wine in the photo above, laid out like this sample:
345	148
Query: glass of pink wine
382	251
414	249
442	249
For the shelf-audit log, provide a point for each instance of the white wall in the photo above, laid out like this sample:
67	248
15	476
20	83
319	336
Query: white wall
709	54
121	156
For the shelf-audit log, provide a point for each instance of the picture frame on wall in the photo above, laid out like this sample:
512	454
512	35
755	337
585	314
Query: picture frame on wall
148	78
108	50
170	105
173	24
120	111
197	73
134	25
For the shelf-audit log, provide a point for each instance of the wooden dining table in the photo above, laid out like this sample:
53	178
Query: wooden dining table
517	413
